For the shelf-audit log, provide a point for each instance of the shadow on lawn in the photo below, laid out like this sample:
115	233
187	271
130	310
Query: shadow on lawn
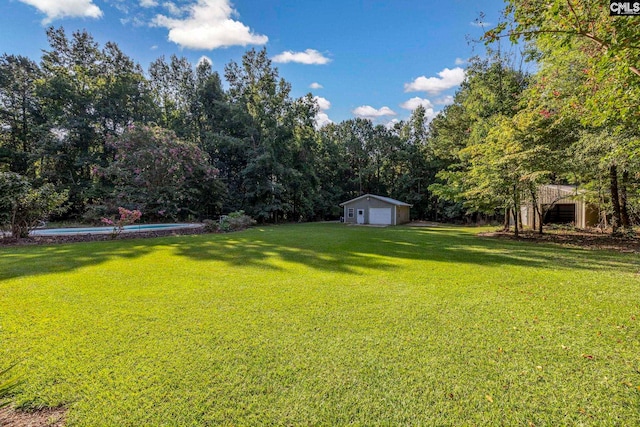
327	247
262	253
352	250
36	260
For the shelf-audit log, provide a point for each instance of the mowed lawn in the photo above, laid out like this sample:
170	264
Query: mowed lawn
324	324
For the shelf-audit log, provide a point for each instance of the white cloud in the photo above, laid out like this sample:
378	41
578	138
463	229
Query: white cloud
57	9
316	85
368	112
172	8
121	6
208	25
205	59
460	61
445	100
415	102
322	119
433	85
135	21
309	57
148	3
429	114
154	47
323	103
391	123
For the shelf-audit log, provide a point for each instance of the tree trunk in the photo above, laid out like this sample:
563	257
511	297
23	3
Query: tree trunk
507	214
516	210
624	211
537	213
541	219
602	212
520	219
615	201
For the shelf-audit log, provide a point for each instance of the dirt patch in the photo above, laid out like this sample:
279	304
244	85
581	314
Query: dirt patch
583	239
47	240
47	417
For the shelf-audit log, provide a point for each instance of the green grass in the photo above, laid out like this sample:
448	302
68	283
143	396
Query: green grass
324	324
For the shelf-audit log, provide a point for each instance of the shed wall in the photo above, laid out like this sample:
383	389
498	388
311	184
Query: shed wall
549	195
402	213
366	204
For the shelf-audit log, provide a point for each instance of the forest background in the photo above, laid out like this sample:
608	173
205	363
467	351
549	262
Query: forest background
87	126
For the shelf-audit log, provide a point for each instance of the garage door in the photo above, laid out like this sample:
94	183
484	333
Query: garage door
380	216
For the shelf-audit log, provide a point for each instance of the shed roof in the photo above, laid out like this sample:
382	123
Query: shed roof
572	189
384	199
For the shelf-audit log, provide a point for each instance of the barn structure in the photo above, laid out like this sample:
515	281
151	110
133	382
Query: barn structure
561	204
373	209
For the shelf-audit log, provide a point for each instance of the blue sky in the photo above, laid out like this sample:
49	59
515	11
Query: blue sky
376	59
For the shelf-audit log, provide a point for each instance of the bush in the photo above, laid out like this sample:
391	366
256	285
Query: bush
22	207
126	217
236	221
211	226
155	171
95	212
233	222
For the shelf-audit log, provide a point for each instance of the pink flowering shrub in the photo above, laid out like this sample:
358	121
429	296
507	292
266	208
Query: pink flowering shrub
164	175
126	217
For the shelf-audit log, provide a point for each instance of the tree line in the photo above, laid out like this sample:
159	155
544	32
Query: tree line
174	143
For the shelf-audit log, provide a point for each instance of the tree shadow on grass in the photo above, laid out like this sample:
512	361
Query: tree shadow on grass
243	252
336	248
37	260
463	247
324	247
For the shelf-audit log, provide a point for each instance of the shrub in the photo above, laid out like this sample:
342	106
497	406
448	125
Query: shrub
156	171
126	217
211	226
233	222
95	212
236	221
23	207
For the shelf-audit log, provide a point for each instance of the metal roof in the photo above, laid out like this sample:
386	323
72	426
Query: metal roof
568	189
384	199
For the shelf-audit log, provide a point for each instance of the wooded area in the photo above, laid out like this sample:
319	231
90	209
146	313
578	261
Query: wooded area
88	122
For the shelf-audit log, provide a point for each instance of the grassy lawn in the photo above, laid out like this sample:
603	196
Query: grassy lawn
324	324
